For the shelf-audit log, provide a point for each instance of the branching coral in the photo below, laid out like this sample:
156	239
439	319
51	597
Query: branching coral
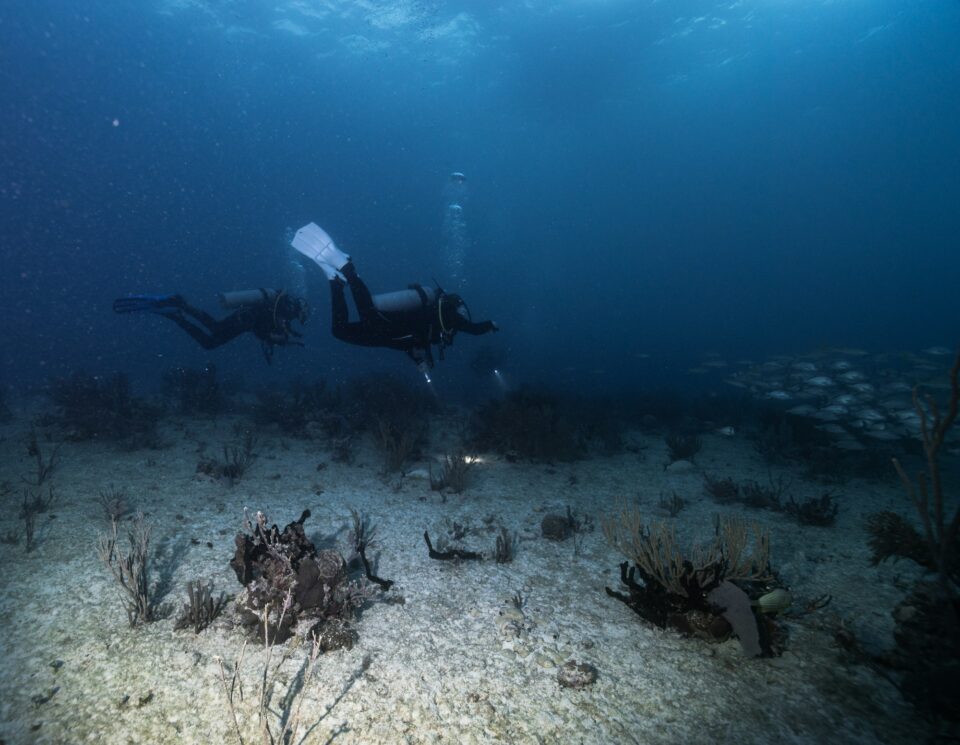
939	530
529	425
201	608
194	392
453	472
682	446
288	581
237	459
130	568
90	407
699	591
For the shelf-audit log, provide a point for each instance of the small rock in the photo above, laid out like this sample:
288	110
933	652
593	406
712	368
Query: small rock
786	660
544	660
41	698
904	613
556	527
556	655
576	675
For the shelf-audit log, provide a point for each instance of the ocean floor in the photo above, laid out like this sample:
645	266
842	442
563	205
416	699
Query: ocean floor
449	659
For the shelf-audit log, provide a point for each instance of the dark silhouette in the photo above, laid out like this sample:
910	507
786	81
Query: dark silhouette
266	313
433	318
411	320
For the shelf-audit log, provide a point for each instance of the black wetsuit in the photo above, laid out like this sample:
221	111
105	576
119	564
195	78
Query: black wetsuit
412	331
270	322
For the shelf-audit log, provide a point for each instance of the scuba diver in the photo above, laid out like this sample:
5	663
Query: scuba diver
266	313
410	320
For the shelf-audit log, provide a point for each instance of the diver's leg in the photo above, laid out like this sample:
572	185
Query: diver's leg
202	337
340	324
339	314
229	328
201	315
217	332
361	294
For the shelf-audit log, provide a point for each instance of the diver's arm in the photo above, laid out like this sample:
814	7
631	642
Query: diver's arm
476	329
280	334
275	337
422	356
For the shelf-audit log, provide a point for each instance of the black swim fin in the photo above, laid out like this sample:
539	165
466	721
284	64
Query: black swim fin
149	303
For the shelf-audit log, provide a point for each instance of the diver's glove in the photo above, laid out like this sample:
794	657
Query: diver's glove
424	367
493	326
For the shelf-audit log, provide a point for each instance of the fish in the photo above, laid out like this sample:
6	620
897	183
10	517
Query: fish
848	443
845	399
858	399
881	434
775	601
832	429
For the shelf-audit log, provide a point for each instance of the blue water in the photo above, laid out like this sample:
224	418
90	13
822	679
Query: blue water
648	181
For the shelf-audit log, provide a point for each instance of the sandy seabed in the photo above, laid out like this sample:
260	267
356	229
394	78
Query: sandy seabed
443	666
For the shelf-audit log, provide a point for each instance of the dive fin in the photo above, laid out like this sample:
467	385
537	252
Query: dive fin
331	273
149	303
314	243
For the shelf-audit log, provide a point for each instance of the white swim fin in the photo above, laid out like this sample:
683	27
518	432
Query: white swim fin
314	243
331	272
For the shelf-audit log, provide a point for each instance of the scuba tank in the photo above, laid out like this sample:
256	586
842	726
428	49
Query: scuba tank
238	298
403	301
